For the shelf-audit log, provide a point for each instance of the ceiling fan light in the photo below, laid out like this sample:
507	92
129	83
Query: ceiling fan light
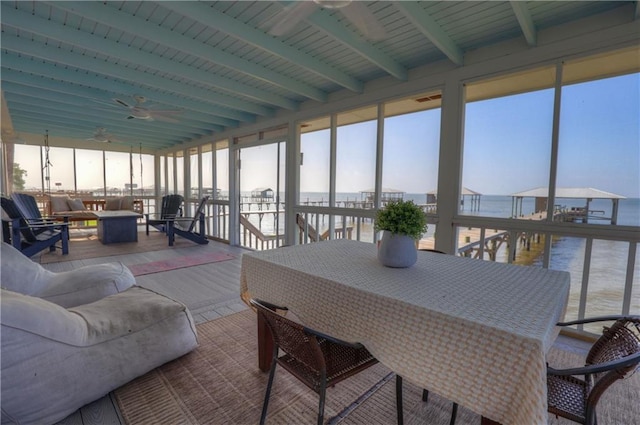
332	4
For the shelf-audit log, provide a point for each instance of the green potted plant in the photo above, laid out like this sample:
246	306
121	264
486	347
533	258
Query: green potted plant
402	223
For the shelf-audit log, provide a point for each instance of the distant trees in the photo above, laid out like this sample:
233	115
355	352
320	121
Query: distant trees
18	177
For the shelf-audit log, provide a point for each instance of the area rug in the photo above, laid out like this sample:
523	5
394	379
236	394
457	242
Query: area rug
220	383
89	246
179	262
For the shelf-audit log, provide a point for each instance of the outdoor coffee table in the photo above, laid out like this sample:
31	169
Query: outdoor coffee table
117	226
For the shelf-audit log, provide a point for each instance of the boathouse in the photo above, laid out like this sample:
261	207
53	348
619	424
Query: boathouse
466	194
563	213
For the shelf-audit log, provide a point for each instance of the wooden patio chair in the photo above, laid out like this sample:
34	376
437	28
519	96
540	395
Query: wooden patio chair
316	359
574	393
170	208
32	236
185	226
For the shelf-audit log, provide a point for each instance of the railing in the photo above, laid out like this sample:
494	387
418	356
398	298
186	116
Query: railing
603	260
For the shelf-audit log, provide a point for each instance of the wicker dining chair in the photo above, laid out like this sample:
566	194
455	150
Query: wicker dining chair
574	393
316	359
425	392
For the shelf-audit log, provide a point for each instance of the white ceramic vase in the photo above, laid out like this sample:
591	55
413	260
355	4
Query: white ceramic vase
397	250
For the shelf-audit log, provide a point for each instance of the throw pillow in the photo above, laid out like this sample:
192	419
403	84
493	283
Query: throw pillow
126	203
112	204
59	204
76	205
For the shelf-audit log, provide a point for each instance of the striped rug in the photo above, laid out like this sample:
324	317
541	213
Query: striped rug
219	383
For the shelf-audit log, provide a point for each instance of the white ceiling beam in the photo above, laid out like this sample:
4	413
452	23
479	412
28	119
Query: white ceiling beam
206	15
94	43
23	45
414	12
101	12
525	20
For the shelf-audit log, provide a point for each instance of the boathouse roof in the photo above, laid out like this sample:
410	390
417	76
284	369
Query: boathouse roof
569	192
465	191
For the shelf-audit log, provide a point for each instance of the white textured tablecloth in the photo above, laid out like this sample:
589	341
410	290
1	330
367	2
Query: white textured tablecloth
475	332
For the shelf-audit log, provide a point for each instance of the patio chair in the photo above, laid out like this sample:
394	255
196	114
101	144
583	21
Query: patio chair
32	236
316	359
574	393
171	208
185	226
425	393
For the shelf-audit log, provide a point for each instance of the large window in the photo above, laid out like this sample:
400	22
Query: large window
171	177
90	168
194	169
27	168
411	147
356	157
143	175
180	173
222	170
315	146
61	169
118	173
599	149
507	141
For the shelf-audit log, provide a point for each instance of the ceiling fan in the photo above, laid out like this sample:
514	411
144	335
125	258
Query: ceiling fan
101	136
355	11
138	111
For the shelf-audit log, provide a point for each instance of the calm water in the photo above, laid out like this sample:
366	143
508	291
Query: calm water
608	266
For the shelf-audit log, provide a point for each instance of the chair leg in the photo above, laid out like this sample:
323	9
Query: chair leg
322	393
265	404
454	413
425	395
399	409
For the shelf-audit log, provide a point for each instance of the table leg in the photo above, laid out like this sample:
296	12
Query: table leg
265	345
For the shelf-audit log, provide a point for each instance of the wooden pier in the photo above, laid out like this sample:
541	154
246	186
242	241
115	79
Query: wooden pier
469	239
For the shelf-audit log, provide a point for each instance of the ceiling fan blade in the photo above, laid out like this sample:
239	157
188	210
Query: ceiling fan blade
167	115
365	21
283	22
121	103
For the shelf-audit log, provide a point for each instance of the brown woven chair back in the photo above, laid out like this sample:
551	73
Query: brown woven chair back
316	359
574	393
620	340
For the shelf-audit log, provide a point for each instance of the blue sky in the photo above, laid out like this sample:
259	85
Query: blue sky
507	146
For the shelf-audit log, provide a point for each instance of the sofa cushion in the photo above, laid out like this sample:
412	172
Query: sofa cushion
112	204
76	205
126	203
59	203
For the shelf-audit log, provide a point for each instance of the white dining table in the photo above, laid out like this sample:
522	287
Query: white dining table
476	332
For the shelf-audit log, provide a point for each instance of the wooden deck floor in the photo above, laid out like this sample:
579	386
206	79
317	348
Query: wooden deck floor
209	291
